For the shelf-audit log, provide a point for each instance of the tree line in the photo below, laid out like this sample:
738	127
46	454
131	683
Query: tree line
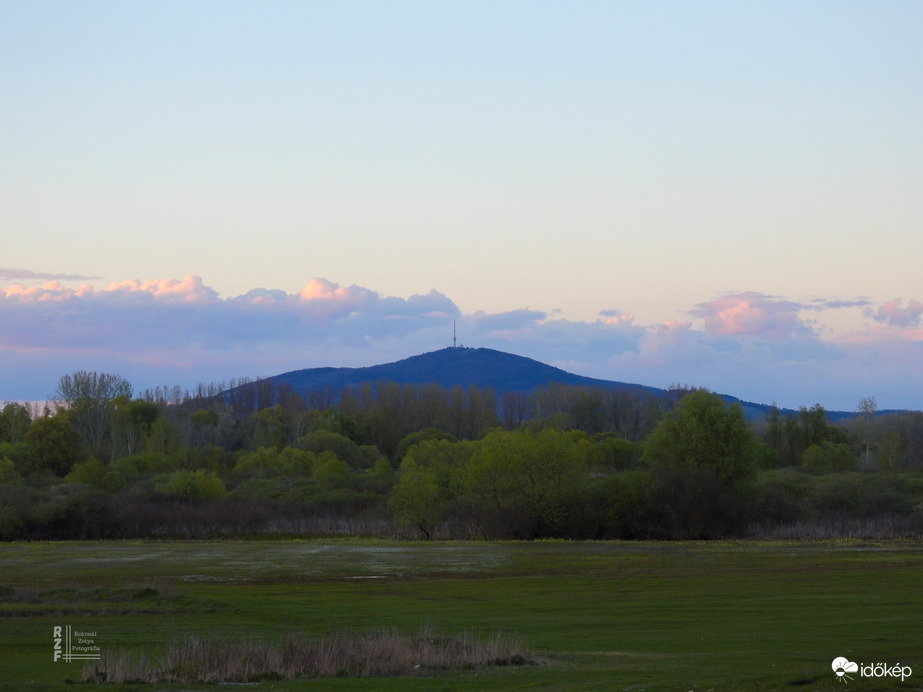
249	457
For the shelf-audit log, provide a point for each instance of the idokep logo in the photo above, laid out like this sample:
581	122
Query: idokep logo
843	666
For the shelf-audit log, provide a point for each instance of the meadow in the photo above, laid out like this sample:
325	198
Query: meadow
589	615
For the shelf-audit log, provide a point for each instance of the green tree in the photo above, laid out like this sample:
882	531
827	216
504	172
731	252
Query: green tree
419	436
324	441
331	471
703	432
892	452
813	426
422	494
15	420
8	473
827	457
624	504
523	483
193	486
418	498
614	453
268	462
131	424
52	444
163	438
93	472
269	427
773	434
203	428
867	409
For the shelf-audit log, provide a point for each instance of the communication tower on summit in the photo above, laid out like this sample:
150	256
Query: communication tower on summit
454	339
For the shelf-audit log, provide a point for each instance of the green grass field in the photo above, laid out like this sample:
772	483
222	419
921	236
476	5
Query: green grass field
595	616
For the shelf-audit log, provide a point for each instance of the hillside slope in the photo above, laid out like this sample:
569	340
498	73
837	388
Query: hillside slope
465	367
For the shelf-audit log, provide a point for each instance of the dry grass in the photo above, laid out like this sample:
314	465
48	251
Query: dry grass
883	527
341	654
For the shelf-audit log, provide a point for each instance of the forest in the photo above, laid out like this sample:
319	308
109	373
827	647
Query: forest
250	458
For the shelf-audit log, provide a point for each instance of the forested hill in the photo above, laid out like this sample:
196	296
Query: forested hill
464	367
450	367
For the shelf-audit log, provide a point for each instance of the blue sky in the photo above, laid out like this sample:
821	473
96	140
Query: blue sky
721	194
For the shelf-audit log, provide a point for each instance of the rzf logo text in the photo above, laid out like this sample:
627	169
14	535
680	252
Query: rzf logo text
74	646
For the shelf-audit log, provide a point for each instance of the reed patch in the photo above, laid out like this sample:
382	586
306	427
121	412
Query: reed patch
379	653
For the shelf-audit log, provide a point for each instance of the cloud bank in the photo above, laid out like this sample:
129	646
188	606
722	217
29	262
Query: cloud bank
181	331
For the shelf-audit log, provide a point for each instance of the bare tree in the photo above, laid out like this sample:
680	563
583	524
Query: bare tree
87	397
513	406
867	409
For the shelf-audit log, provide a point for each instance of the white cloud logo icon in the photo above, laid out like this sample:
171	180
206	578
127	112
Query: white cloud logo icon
842	666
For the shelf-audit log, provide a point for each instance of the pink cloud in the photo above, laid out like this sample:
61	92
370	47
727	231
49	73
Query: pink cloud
615	317
190	289
752	314
322	289
47	292
892	314
320	298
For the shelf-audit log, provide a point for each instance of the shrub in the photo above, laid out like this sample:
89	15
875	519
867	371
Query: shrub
8	473
421	436
828	457
331	471
626	501
193	486
144	463
320	441
93	472
778	496
693	503
861	495
617	453
209	458
71	511
12	524
270	462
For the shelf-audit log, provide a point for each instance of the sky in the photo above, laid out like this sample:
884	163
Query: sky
717	194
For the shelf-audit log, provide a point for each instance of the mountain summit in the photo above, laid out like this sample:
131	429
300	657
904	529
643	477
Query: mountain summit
451	367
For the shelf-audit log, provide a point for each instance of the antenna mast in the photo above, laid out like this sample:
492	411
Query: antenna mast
454	339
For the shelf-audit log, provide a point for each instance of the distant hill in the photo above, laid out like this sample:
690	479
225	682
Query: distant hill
466	367
450	367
